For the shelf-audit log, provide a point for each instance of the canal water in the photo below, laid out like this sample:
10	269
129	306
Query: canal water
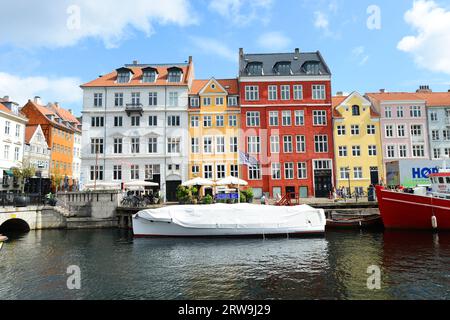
113	265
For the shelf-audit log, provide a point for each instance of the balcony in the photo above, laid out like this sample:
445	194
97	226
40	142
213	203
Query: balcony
134	108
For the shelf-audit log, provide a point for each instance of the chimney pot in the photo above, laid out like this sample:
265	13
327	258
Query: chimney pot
339	93
382	90
6	98
190	59
135	62
241	52
297	50
37	100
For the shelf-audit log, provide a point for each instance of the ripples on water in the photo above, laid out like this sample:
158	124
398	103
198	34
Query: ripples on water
116	266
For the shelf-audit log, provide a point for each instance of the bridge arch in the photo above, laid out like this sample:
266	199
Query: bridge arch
15	225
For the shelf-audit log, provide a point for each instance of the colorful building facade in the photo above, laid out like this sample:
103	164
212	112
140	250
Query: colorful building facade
214	121
357	143
286	120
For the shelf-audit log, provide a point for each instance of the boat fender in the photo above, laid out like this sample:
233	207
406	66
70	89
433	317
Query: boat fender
434	222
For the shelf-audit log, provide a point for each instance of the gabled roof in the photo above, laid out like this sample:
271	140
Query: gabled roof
109	80
48	112
29	132
5	109
297	60
338	101
230	85
64	114
436	99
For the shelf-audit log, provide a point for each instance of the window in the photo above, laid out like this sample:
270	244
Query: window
319	118
415	112
135	145
118	99
446	134
400	130
234	170
254	69
123	77
253	144
435	135
208	171
289	170
298	92
136	98
299	117
400	113
276	171
274	144
433	116
135	121
134	172
285	92
96	145
273	93
194	102
153	99
194	121
173	99
118	121
219	101
300	143
321	144
287	144
273	119
220	144
342	151
402	151
232	120
436	153
388	112
195	169
153	145
16	153
344	173
389	131
207	145
97	121
232	101
173	121
207	121
117	172
220	171
357	173
195	148
254	172
416	130
233	144
418	150
207	101
153	121
283	68
390	151
98	99
286	118
318	92
220	121
354	130
96	172
356	151
118	142
174	75
372	150
173	145
371	129
251	93
312	68
355	110
253	119
302	172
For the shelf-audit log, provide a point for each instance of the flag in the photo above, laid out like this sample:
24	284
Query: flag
247	160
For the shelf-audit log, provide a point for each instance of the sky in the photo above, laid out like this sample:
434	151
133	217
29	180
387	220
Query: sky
50	47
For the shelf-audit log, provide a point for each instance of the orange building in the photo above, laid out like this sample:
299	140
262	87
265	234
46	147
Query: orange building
59	134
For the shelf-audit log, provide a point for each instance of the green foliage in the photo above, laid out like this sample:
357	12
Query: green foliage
23	174
208	199
57	178
247	194
243	197
186	194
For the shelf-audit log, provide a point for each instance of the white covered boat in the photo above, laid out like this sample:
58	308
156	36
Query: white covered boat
219	220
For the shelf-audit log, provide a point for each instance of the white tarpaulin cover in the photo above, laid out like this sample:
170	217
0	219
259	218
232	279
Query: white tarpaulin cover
236	216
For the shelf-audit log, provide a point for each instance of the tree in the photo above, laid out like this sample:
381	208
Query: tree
24	173
57	178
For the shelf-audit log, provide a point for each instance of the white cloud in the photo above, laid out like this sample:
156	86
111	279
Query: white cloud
321	20
359	53
20	89
214	46
274	41
49	23
242	12
431	46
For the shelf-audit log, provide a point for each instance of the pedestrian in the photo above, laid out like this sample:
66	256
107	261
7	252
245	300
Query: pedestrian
263	199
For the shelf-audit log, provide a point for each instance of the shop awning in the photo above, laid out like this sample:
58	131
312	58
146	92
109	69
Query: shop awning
8	173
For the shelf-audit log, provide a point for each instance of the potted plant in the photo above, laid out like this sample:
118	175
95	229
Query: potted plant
208	199
249	195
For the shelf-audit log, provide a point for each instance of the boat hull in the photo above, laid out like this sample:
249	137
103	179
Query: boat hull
409	211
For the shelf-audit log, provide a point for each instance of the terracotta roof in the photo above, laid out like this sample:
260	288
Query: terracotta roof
374	113
29	132
436	99
231	85
394	96
64	114
337	101
109	80
46	111
7	110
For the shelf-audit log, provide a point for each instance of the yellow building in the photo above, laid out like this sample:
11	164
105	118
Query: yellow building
357	143
214	121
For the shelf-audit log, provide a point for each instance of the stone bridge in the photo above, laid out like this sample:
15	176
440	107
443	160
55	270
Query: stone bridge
30	218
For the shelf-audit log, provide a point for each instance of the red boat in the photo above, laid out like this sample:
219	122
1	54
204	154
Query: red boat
417	208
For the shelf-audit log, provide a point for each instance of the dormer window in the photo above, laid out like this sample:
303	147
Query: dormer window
255	69
175	75
283	69
123	75
311	67
355	110
149	75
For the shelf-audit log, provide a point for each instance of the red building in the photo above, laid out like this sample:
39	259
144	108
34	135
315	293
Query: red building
287	129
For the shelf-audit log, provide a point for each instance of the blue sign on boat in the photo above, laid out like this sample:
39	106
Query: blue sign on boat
227	196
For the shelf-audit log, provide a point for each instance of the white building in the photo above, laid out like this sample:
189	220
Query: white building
37	153
12	137
135	122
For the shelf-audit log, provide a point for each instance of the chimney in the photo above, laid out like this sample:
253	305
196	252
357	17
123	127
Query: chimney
382	90
297	51
6	98
57	105
37	100
70	110
424	89
339	93
190	59
241	52
135	62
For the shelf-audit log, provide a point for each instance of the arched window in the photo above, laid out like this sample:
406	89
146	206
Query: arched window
355	110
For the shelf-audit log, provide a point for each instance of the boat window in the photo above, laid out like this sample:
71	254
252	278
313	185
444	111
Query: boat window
441	180
448	180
